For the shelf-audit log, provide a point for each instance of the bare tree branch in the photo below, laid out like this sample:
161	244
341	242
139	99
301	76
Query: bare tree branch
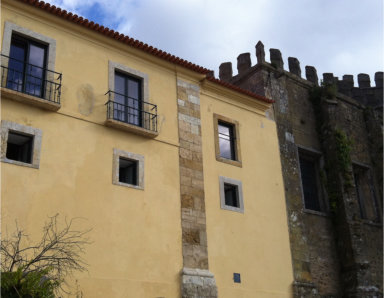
60	250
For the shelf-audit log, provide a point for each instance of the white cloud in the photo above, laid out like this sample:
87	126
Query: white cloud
344	36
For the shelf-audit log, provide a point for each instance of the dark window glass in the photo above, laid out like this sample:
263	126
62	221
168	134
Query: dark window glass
227	141
231	195
19	147
365	193
309	180
128	171
236	277
128	104
26	66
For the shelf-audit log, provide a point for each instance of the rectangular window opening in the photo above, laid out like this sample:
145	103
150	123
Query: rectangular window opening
227	140
236	277
365	193
231	194
27	66
19	147
128	171
128	105
310	179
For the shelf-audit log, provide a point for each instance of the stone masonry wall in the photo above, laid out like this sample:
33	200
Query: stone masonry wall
334	254
196	280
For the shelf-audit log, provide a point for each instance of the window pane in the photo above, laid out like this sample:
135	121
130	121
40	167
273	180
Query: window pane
225	148
35	71
36	55
309	181
226	141
231	196
16	66
119	109
128	171
129	107
19	147
133	89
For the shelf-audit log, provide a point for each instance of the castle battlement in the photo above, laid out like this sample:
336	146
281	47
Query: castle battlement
364	92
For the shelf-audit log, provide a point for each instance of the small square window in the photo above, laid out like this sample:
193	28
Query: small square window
236	278
227	141
231	194
19	147
23	144
128	171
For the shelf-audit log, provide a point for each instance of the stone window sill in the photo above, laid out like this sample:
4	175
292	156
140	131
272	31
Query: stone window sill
131	128
19	163
29	99
229	161
319	213
371	223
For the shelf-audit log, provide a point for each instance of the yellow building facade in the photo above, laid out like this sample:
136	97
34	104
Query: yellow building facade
177	173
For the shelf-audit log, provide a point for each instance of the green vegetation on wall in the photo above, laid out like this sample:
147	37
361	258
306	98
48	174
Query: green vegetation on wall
317	95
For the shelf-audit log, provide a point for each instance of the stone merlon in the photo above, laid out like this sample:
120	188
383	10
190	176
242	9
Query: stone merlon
379	79
363	80
260	53
348	81
294	66
311	75
276	58
328	78
225	71
243	62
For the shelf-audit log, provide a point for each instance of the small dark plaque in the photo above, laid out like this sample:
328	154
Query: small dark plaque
236	277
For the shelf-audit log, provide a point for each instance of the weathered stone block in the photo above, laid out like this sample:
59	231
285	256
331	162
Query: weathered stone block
225	71
243	62
294	66
191	236
363	80
260	53
276	58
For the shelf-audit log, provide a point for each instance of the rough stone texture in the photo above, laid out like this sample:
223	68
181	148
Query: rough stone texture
294	66
225	71
243	62
198	282
345	86
333	255
311	75
260	53
276	58
328	78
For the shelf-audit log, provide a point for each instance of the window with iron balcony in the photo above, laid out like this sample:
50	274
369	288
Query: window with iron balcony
126	107
25	75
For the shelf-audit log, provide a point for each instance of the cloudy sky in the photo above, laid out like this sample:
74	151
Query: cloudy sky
339	36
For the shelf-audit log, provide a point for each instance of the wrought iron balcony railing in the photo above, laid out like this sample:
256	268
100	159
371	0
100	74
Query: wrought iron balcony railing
132	111
30	79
